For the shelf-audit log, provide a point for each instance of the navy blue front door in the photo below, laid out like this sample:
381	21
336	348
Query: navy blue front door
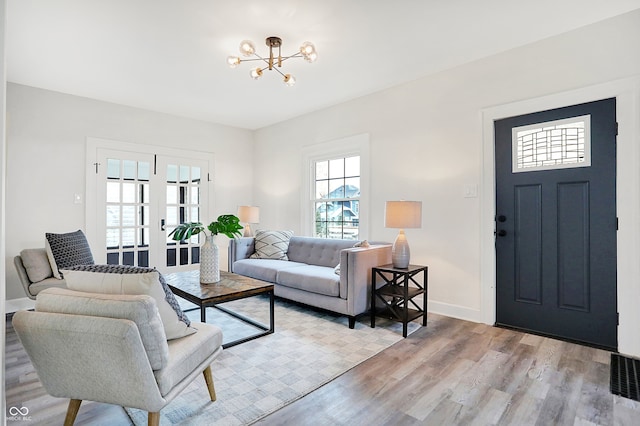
556	231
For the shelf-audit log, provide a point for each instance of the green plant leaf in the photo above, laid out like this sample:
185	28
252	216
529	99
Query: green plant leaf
226	224
184	231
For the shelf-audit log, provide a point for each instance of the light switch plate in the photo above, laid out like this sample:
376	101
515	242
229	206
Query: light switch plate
470	191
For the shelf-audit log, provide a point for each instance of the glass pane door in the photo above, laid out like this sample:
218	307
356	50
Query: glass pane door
185	200
126	215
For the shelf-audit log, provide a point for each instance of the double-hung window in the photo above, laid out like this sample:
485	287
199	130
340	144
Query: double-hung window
337	197
335	191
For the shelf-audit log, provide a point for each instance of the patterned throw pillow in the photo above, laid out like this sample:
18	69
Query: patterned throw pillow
272	245
65	250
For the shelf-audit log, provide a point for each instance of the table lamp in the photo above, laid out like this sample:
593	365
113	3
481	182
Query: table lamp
402	214
248	215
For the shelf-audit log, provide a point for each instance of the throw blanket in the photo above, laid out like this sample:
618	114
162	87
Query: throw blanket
127	269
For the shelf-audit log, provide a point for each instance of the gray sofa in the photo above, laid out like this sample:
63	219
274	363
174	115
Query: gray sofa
310	277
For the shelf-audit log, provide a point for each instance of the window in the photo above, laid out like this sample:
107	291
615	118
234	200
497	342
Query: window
552	145
337	197
335	190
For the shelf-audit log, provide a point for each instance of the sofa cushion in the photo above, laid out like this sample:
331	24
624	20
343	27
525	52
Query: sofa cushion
187	353
272	244
140	309
263	269
36	263
51	282
312	278
65	250
144	283
317	251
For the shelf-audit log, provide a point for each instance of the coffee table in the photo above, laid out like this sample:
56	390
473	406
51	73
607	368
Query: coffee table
230	287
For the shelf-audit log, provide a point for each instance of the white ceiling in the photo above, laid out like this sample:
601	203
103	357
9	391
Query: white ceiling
170	55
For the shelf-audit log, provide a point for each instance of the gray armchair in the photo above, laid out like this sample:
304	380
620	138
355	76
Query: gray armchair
112	349
34	271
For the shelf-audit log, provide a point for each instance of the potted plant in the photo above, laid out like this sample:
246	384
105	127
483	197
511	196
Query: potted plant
226	224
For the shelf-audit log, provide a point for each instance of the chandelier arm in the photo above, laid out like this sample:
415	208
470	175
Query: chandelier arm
295	55
279	72
266	61
251	60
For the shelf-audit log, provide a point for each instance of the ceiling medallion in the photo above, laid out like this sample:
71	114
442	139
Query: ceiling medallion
247	48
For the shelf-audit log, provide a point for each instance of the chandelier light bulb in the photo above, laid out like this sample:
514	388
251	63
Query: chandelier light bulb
233	61
308	51
255	73
289	80
247	48
307	48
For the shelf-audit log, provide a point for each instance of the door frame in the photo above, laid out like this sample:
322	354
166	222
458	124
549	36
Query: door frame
92	146
627	94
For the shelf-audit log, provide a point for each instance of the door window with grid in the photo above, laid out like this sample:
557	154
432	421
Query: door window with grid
337	197
127	211
183	193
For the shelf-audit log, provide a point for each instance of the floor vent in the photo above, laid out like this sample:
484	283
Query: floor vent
625	375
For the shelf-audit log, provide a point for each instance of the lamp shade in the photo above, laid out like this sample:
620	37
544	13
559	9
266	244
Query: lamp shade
403	214
249	214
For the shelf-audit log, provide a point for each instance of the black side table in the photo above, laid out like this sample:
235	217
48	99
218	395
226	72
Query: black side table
397	295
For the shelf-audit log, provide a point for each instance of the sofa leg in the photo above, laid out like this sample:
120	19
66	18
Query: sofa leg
72	411
154	418
352	322
208	378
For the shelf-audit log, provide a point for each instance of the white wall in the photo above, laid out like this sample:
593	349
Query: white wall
46	141
3	84
426	143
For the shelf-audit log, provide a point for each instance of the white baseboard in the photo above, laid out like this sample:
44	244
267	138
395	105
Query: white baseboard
455	311
15	305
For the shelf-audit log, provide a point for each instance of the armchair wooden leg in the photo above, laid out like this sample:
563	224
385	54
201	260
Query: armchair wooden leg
72	412
208	377
154	418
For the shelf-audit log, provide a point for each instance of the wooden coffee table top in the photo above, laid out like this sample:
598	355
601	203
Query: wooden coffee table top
230	287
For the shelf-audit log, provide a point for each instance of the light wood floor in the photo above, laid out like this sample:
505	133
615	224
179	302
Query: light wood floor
451	373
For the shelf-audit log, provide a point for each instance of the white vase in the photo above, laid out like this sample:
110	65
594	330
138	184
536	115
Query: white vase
209	261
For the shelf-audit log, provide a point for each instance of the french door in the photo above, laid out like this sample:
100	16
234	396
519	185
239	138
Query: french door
140	198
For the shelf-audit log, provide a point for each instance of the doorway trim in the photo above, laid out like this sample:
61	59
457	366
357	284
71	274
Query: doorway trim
627	94
93	144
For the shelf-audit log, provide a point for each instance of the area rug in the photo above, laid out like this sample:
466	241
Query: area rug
308	349
625	377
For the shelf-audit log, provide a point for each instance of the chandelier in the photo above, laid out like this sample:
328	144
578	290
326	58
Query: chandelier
274	61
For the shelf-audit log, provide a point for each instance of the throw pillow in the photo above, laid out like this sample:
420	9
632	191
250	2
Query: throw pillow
65	250
272	245
131	283
36	263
